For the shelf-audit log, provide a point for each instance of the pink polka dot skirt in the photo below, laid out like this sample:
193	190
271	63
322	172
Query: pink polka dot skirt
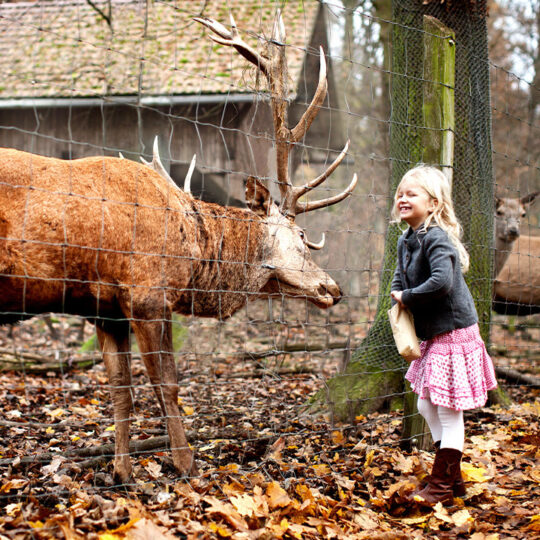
454	370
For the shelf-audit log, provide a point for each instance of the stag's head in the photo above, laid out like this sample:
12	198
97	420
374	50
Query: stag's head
287	259
287	264
508	215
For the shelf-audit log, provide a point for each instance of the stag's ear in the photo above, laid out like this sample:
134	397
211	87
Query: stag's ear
257	196
529	199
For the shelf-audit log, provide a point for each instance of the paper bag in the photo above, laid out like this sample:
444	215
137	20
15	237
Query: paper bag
401	321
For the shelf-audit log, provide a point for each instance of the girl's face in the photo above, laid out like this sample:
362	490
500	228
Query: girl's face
413	203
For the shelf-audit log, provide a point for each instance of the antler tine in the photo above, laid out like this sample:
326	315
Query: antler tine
290	194
187	181
302	190
311	112
232	39
158	166
318	245
302	207
278	31
275	71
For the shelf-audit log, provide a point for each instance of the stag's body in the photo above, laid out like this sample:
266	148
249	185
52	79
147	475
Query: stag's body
118	242
107	237
112	240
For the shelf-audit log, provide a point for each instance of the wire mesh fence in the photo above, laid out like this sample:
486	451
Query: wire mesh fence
116	242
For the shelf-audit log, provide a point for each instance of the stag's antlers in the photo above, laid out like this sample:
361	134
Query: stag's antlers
275	71
157	165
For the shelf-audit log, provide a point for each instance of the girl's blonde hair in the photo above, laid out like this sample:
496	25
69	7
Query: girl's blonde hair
436	185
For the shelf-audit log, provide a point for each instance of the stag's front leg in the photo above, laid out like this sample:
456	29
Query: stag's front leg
113	338
155	343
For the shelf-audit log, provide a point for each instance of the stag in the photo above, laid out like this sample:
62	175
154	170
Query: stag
509	212
118	243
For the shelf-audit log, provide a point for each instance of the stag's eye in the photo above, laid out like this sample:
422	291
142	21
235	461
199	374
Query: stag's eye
302	234
499	212
523	214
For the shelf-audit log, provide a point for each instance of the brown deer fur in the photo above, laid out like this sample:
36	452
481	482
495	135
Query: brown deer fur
110	239
516	289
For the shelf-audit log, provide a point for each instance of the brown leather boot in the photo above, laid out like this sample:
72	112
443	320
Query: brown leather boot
458	488
441	480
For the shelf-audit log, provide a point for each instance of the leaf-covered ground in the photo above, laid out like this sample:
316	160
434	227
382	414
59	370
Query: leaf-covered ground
267	470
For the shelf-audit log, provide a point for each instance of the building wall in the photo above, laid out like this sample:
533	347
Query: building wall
230	140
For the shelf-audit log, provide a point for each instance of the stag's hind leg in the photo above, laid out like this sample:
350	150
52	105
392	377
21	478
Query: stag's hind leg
155	343
113	338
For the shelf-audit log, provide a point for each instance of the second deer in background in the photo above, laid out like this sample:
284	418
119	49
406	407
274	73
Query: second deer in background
509	212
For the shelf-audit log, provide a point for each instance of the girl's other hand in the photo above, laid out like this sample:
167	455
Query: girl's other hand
396	295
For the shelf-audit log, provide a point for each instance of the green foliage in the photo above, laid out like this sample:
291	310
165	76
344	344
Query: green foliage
179	332
90	345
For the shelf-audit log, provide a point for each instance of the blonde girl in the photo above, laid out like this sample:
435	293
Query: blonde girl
454	371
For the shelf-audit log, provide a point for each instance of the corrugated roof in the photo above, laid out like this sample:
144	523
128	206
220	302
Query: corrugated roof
65	48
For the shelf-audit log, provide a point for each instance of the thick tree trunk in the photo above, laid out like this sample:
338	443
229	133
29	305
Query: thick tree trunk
374	377
438	148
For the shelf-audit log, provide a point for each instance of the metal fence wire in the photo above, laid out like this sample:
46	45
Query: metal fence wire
111	244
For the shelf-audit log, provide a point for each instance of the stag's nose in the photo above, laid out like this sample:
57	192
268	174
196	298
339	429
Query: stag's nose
333	290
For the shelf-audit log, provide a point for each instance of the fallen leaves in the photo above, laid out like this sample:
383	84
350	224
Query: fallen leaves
266	471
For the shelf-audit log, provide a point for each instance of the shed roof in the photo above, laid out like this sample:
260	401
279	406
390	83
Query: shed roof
65	48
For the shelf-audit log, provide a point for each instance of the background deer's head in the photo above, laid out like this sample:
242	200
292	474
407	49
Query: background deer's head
508	215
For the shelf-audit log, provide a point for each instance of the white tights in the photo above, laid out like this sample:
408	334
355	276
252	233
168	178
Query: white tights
446	425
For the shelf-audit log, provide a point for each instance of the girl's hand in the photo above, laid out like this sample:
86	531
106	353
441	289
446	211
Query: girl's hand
396	295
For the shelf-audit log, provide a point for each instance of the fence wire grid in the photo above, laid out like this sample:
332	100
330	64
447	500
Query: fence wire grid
105	78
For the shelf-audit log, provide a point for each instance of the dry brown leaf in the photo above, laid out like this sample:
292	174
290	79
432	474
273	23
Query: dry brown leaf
277	496
365	519
145	529
246	505
474	474
405	464
440	512
338	437
321	469
481	443
227	511
14	483
344	482
153	468
53	466
461	517
274	451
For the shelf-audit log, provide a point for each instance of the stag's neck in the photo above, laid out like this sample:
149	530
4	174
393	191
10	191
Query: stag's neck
503	247
229	271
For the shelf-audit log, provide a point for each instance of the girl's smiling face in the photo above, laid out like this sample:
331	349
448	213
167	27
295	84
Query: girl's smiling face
413	203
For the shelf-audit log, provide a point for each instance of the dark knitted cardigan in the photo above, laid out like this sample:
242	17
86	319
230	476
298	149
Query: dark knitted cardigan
429	274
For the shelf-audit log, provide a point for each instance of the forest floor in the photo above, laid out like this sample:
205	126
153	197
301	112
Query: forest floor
268	469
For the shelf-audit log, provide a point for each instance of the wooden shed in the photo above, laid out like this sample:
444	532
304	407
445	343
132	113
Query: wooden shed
83	78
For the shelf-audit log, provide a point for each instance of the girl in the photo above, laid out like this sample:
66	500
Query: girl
454	371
